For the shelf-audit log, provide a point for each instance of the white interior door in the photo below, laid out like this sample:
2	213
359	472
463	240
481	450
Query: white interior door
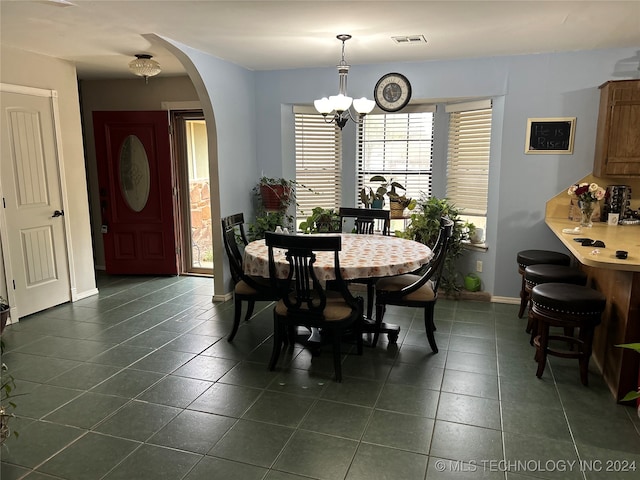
33	234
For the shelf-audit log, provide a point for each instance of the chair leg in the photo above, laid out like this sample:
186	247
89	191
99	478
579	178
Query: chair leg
541	347
371	291
236	318
586	337
359	342
524	299
278	331
532	327
379	315
337	360
250	308
430	327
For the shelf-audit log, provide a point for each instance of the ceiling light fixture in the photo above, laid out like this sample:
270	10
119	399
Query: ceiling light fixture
341	103
143	66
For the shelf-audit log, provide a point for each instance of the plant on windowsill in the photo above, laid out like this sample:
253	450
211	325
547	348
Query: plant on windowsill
424	227
322	220
397	202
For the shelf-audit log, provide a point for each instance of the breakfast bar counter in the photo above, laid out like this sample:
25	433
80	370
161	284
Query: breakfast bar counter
618	279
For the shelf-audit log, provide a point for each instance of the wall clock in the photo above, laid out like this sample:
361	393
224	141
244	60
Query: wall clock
392	92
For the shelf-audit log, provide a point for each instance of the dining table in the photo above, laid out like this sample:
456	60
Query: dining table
361	256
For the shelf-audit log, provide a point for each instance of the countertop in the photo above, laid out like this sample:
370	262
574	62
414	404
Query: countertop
615	237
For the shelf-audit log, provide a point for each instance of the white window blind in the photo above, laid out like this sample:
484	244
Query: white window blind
398	146
468	156
318	162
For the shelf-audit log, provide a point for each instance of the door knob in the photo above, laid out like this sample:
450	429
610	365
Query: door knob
58	213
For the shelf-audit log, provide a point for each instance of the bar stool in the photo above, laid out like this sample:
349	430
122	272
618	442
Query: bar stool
549	273
567	306
535	257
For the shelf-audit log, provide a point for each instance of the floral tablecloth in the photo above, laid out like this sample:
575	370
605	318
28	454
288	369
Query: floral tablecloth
362	256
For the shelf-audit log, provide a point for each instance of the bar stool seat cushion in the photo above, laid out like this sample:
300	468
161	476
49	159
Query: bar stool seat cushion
534	257
573	300
550	273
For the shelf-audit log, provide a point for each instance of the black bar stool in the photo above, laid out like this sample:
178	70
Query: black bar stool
549	273
567	306
535	257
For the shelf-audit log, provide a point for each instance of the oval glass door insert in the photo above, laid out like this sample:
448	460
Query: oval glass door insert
135	179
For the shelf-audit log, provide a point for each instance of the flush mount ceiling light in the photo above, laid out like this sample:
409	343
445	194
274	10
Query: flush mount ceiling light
143	66
340	105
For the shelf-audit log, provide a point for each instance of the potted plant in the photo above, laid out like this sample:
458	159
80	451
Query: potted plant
273	198
368	197
397	202
633	395
424	227
6	404
276	194
322	220
4	312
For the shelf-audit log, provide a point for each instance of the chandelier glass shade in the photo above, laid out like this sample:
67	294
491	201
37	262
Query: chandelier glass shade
144	66
340	105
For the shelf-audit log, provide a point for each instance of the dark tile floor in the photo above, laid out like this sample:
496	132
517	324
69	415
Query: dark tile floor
140	383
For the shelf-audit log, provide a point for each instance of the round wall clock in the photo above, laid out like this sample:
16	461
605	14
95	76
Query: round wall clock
392	92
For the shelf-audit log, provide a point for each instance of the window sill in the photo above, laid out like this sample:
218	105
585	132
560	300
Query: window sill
475	247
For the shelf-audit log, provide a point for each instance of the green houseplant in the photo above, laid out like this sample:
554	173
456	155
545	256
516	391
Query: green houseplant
424	227
321	220
398	202
275	194
4	313
633	395
273	197
7	386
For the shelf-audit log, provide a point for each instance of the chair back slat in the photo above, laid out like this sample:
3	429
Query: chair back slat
365	219
433	270
302	292
232	229
233	235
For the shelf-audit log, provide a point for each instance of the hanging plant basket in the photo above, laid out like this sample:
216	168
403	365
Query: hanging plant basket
275	197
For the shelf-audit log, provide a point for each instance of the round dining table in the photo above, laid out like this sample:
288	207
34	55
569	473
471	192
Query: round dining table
361	256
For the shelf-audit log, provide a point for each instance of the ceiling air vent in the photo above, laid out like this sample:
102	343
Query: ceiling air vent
409	39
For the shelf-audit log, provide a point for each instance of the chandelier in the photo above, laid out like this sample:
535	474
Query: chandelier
340	105
143	66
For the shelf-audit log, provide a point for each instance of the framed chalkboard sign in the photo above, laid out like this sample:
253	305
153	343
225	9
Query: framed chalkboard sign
550	135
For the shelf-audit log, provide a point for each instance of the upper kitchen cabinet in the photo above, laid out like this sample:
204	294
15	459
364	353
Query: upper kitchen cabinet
618	136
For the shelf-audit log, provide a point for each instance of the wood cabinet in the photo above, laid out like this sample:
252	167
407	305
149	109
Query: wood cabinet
618	136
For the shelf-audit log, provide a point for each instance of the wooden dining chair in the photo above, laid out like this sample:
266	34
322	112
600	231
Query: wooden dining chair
365	221
247	288
305	301
416	289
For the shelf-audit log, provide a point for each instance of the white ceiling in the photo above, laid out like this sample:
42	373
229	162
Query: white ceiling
102	36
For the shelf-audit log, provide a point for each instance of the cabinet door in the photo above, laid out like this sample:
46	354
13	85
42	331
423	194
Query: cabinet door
620	135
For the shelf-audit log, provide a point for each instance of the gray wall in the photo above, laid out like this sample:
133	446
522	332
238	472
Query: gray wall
545	85
19	67
122	95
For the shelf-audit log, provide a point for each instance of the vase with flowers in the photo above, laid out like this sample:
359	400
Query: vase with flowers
588	195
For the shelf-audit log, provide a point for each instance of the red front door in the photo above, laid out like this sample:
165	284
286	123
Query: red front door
133	153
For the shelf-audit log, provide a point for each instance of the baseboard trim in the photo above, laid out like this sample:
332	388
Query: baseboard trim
509	300
222	298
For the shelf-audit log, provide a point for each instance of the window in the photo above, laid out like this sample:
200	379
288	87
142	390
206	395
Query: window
318	162
468	159
398	146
